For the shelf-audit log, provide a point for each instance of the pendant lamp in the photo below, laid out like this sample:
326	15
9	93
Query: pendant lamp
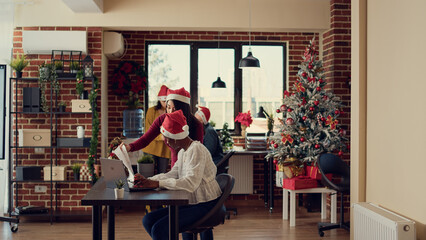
250	61
218	83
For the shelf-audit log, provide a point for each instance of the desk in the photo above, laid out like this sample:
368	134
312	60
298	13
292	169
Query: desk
99	196
323	191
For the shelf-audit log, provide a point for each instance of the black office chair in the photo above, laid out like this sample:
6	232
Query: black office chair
222	167
216	215
329	163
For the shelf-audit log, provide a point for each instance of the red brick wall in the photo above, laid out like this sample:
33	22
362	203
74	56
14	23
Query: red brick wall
337	62
69	194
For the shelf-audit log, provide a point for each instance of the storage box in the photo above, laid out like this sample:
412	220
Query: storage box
58	173
73	142
299	182
31	99
34	137
78	105
28	173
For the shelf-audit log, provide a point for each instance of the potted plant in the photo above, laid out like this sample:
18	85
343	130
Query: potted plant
146	165
119	190
74	67
76	170
18	64
45	69
62	106
59	67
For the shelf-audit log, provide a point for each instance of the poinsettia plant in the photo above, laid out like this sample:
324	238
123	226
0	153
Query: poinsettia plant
128	82
244	118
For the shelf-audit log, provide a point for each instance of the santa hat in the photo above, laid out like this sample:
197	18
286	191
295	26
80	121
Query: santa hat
179	94
162	94
204	114
174	125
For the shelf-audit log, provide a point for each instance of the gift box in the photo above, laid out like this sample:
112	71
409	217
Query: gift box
58	173
314	173
299	182
82	106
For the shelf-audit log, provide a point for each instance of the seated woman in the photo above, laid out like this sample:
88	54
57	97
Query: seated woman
194	172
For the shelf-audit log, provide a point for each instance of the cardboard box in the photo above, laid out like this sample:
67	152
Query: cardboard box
58	173
28	173
299	182
34	137
80	105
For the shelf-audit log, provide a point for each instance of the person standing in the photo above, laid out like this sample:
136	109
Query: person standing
157	148
211	139
194	172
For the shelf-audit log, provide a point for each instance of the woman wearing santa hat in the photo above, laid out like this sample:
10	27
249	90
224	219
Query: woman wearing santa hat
157	148
176	100
194	172
211	139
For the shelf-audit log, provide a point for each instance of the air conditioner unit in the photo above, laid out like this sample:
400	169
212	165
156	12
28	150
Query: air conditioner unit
43	42
114	45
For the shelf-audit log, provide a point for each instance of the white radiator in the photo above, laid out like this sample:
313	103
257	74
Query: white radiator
372	222
241	167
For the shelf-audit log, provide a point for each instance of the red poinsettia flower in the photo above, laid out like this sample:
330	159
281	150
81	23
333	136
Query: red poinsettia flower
244	118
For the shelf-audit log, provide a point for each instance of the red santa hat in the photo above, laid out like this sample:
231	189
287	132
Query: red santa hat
162	94
179	94
204	113
174	126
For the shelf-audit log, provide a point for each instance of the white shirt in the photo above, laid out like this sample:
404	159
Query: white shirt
195	172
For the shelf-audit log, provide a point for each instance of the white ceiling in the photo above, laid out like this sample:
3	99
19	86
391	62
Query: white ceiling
85	6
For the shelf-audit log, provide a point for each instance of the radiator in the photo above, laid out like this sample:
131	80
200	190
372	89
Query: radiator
241	167
372	222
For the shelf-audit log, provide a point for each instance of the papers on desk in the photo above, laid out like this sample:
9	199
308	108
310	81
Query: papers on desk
122	154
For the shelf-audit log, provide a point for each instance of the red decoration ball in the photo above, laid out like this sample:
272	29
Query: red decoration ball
289	110
316	102
304	118
337	112
323	119
318	89
310	66
317	146
302	139
325	97
289	121
320	80
272	142
340	153
275	161
283	107
275	145
304	74
311	108
278	111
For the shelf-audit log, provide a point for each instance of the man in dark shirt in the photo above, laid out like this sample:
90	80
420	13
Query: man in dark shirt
211	139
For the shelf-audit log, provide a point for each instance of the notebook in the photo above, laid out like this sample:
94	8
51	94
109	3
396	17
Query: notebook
113	170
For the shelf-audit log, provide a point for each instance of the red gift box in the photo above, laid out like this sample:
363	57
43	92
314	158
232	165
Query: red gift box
314	173
299	182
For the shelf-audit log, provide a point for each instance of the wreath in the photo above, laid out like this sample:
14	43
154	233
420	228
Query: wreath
128	82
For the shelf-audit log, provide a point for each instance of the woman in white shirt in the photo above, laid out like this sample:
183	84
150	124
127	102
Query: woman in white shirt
194	172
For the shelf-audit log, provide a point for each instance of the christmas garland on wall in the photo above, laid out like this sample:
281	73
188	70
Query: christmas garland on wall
95	130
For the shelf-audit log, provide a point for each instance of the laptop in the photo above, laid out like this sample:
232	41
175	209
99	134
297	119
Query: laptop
113	170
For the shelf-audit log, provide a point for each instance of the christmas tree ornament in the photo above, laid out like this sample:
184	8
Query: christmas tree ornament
311	109
289	121
337	112
318	89
289	109
316	102
302	139
283	107
310	66
317	146
304	118
278	111
304	74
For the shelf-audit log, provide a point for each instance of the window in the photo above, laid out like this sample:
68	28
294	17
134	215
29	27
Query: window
196	65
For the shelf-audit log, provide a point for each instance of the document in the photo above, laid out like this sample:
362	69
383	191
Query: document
122	154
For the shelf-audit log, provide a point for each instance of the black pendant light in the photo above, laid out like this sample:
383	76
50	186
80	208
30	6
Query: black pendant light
218	83
249	61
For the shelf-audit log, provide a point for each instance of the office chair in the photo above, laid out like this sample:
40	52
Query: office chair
329	163
222	167
217	214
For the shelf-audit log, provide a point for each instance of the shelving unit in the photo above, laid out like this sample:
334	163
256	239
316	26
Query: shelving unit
18	153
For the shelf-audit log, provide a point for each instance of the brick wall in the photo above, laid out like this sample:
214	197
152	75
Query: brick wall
69	194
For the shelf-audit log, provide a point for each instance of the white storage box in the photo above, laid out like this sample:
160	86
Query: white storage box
34	137
78	105
58	173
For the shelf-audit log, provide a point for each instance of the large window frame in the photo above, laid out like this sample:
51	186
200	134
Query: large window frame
237	46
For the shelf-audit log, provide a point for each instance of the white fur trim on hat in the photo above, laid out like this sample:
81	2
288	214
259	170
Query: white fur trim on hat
162	98
176	136
203	116
179	97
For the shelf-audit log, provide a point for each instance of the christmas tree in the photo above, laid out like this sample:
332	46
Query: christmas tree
310	124
225	138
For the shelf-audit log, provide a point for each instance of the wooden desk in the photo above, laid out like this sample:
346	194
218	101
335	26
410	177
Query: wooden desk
323	191
99	196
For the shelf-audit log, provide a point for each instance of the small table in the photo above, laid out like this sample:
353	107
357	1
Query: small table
99	196
323	191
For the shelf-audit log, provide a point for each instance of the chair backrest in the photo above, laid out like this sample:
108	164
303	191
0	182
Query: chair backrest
217	214
223	165
330	163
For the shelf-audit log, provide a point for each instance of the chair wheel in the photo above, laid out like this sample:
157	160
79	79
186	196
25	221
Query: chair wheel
13	227
321	233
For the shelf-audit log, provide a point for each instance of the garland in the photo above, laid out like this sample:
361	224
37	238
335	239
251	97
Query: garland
95	130
128	82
